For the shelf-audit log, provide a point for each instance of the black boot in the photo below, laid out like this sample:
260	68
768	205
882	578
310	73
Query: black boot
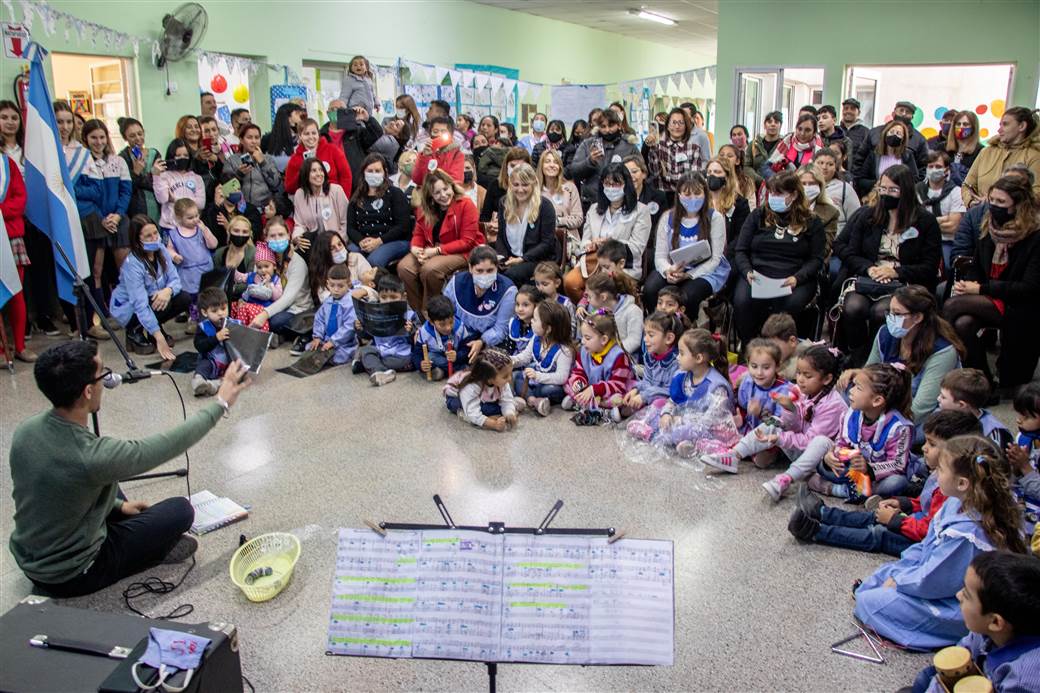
139	342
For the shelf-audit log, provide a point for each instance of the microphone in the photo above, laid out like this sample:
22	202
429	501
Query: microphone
114	380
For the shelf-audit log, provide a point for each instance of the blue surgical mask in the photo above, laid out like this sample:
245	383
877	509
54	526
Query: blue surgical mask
538	126
485	281
778	203
692	204
152	246
896	325
279	245
612	193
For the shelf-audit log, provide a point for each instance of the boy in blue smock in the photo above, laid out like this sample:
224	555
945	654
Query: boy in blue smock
442	334
385	356
334	321
210	338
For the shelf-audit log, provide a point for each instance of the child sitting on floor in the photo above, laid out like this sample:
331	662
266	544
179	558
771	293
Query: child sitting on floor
386	355
209	342
781	329
967	389
810	416
1000	605
661	334
616	292
547	359
601	374
670	301
871	452
263	286
442	334
610	257
520	334
548	278
334	319
893	524
912	601
1024	456
703	372
482	395
756	395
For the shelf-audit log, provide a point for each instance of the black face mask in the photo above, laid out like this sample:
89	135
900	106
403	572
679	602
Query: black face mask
554	136
238	241
611	137
902	119
467	177
716	183
893	141
1000	215
182	164
889	202
477	151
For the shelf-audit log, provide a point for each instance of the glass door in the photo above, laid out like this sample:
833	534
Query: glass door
758	93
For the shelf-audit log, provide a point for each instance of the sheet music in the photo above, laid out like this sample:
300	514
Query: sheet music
374	593
458	608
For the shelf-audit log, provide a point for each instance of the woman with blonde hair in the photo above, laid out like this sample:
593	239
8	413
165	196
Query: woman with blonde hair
565	198
820	204
526	226
725	196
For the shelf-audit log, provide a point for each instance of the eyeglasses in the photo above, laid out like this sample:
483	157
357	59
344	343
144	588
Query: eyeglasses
898	315
894	190
105	372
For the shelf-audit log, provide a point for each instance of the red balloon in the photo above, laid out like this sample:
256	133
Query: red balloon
218	84
981	108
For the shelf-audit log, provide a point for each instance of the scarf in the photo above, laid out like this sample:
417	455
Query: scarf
1004	239
796	153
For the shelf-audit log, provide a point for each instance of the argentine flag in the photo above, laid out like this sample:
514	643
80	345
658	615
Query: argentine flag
9	282
51	207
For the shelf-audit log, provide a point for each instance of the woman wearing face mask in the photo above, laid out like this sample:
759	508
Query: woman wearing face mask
725	198
409	113
537	134
402	180
256	171
916	335
526	226
691	220
490	157
177	181
555	140
474	190
497	188
962	145
819	202
379	219
143	163
780	240
842	195
596	153
579	131
1017	141
218	214
676	154
446	230
747	180
618	214
942	197
291	267
484	302
891	150
239	253
280	142
565	199
794	150
326	249
763	145
891	243
312	146
318	204
1000	289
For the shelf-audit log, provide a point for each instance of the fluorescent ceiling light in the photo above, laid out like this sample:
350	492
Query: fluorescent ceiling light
650	16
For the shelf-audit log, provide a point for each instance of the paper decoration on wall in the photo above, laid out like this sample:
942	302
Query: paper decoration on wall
218	84
283	93
996	107
217	75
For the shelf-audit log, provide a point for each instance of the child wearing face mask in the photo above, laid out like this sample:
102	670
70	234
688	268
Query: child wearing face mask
358	87
191	246
520	331
942	198
175	183
263	286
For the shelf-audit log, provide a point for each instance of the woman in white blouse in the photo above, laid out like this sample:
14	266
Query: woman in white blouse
565	198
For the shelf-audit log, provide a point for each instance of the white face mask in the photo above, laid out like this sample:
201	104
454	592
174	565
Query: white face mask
401	113
485	281
373	178
812	192
340	256
613	194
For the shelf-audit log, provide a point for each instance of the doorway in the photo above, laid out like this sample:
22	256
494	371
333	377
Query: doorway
96	86
760	91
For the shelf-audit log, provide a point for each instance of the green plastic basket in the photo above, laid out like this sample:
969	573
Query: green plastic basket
278	551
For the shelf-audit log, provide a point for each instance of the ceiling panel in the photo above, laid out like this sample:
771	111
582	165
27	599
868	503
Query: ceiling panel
696	28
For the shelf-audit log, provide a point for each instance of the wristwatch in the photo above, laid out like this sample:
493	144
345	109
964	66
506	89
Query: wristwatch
225	406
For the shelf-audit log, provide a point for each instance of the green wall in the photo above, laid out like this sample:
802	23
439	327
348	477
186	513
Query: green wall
838	33
435	32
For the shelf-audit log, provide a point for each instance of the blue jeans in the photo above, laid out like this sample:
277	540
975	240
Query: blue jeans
279	323
859	531
384	254
521	388
889	486
486	408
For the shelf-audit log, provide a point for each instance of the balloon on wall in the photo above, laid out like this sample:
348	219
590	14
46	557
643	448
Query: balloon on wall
997	107
218	84
918	118
241	93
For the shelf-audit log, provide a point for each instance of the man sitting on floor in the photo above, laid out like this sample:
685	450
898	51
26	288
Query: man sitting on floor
74	531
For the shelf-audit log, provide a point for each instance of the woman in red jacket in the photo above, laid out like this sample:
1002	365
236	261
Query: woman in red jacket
446	229
12	204
313	146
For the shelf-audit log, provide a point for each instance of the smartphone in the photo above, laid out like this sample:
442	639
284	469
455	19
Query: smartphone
171	164
136	151
247	159
231	186
346	119
207	142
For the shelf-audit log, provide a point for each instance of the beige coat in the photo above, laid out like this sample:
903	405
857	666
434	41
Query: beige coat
994	159
567	204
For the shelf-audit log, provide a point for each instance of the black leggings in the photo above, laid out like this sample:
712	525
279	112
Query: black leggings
694	292
749	313
861	319
178	304
969	314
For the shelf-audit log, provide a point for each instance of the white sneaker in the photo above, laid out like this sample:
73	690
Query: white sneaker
380	378
777	486
520	404
541	405
202	387
615	414
726	461
567	403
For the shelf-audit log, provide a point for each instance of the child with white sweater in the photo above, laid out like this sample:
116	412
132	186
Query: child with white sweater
482	395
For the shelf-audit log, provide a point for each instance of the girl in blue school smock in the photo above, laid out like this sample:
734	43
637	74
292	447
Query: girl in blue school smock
913	601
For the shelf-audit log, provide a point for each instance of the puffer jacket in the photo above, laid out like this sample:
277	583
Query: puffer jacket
995	158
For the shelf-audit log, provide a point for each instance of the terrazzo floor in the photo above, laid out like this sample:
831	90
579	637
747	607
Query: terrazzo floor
755	611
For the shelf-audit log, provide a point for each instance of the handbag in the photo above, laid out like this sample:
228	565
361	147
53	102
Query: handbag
875	290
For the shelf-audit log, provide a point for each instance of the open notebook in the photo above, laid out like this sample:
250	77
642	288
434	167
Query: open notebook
212	512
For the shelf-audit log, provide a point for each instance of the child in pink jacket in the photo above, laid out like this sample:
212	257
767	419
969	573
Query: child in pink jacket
175	183
809	422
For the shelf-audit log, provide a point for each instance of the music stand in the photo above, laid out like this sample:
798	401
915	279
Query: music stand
501	528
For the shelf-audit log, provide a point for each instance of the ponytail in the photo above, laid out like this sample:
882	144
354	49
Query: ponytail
892	382
980	461
700	341
614	283
489	362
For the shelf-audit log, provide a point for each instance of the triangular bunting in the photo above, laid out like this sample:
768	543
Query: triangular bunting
677	80
711	73
456	77
509	84
688	77
441	73
699	74
480	80
496	83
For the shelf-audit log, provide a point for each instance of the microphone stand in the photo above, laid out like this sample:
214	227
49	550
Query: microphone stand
83	296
